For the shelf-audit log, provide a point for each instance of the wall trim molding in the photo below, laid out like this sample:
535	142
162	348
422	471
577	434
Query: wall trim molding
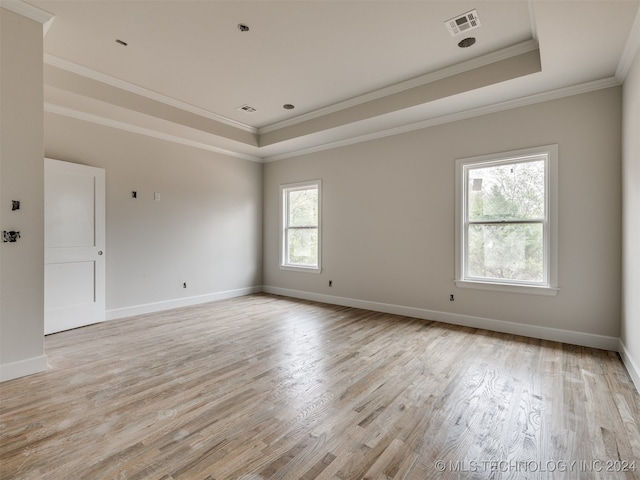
124	312
39	364
632	366
457	116
503	54
533	331
26	10
131	88
375	135
630	50
22	368
488	59
128	127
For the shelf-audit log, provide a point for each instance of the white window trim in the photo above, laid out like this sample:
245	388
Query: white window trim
283	213
551	224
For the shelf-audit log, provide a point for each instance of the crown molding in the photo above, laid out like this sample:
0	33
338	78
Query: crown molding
128	127
631	48
131	88
462	67
29	11
533	20
388	132
454	117
487	59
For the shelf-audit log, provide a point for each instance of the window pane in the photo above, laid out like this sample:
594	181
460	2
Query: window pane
506	252
512	191
302	246
303	207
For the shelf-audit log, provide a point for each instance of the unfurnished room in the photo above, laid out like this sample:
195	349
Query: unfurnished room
315	239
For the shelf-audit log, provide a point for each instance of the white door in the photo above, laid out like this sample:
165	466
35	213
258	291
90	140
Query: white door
74	238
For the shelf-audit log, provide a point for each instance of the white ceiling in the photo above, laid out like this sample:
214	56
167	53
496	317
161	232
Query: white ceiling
343	64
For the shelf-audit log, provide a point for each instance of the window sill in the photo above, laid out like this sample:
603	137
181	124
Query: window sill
508	287
295	268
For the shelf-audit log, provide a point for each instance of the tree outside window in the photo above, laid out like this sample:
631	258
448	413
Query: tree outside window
301	225
505	227
506	211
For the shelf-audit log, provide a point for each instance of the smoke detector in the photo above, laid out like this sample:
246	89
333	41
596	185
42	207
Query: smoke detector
463	23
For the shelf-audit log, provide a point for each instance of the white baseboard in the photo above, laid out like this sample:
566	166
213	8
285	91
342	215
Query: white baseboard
632	366
178	302
22	368
38	364
534	331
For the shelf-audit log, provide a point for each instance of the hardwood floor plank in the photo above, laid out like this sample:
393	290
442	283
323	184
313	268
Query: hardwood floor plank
265	387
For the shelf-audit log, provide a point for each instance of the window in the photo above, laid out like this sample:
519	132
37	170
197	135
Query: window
506	235
300	241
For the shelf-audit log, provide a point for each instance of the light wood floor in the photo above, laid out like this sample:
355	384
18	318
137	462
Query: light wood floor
264	387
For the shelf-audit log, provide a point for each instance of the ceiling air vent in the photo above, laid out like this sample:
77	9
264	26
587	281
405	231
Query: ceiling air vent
247	109
463	23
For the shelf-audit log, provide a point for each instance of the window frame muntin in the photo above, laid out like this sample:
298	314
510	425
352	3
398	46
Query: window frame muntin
284	227
550	224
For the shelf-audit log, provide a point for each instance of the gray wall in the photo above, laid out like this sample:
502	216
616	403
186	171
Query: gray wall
21	178
206	230
388	215
631	213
